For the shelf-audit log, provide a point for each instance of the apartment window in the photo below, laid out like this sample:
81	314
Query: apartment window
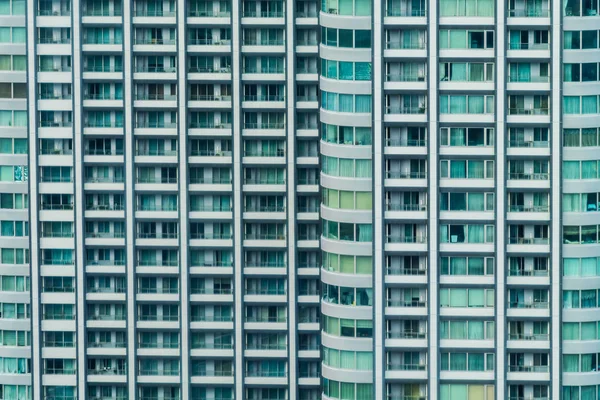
466	72
466	201
347	7
581	267
12	7
588	169
466	39
467	266
580	8
580	104
466	104
348	38
454	361
13	90
347	103
467	136
473	233
471	298
467	330
346	70
467	169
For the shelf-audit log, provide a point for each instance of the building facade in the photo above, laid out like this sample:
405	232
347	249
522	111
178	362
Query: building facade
271	200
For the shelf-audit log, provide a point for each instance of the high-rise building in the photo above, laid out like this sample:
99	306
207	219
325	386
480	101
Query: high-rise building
15	322
299	200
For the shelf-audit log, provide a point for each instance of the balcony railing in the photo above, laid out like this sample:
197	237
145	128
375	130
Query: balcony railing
528	111
113	289
528	368
406	271
263	14
522	208
154	41
105	179
266	374
527	240
157	290
211	236
212	318
406	207
209	70
528	79
52	40
208	42
155	69
534	336
155	152
107	345
263	97
264	181
103	152
104	207
163	345
102	68
406	367
55	68
101	40
154	13
209	97
211	208
264	153
210	125
262	42
401	45
155	96
405	110
526	143
252	208
46	206
210	153
99	11
156	180
208	13
211	181
266	292
407	335
157	235
406	142
406	303
54	13
528	46
105	235
57	234
106	317
109	263
265	264
406	175
264	236
528	13
539	176
59	371
55	96
535	304
155	317
406	239
522	272
55	124
399	12
405	78
264	125
211	290
264	319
